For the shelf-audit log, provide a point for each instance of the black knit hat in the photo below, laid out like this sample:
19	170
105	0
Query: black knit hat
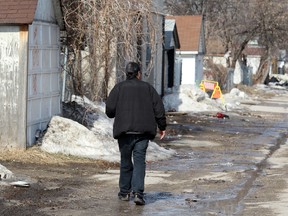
132	67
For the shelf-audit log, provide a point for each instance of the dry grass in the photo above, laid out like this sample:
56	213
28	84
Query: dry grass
35	155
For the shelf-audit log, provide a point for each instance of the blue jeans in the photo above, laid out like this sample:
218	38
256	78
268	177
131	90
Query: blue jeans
132	172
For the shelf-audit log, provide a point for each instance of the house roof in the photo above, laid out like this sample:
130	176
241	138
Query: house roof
17	11
189	31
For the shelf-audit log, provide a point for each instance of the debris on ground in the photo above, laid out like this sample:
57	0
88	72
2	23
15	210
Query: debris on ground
221	115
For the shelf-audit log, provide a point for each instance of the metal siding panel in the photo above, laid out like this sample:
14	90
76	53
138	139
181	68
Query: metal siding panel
55	85
55	35
45	84
46	59
35	35
46	35
55	59
35	57
44	97
45	11
55	106
35	110
13	58
46	108
33	89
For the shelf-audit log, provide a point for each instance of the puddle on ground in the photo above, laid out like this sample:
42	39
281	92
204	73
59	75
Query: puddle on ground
165	203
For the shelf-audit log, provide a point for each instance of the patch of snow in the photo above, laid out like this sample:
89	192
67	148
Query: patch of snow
71	138
189	98
5	173
238	94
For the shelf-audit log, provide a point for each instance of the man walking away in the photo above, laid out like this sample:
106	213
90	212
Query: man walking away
138	111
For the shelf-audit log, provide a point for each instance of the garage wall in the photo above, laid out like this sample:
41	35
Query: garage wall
13	73
43	77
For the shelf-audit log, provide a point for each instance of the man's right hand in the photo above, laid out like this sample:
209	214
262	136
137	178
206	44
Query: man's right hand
162	134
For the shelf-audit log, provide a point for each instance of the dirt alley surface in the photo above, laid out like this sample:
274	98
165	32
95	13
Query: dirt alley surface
222	167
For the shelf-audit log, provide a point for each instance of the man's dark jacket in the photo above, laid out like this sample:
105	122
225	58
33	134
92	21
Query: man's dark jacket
137	107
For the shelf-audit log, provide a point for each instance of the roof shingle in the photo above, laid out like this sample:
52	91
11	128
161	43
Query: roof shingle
17	11
189	31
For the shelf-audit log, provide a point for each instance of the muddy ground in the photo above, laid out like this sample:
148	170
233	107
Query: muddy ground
221	168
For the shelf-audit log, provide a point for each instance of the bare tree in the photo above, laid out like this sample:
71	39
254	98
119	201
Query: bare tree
271	23
234	23
102	36
187	7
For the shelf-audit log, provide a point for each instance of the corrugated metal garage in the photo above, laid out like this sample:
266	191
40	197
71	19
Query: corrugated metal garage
29	69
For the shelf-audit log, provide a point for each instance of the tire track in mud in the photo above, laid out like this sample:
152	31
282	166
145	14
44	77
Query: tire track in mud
276	140
234	205
266	138
275	136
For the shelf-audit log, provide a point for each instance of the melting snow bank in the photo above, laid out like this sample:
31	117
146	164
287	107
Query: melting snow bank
5	173
69	137
190	98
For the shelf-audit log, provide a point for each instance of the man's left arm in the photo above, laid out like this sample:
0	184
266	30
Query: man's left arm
111	103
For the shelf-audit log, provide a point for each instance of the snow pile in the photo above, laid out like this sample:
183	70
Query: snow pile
72	138
189	98
5	173
69	137
236	93
94	115
235	98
